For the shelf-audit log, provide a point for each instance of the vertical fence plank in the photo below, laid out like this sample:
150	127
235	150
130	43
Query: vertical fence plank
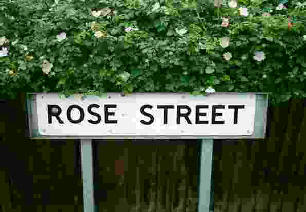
192	168
275	201
226	200
153	185
181	190
262	200
234	204
248	202
5	190
301	206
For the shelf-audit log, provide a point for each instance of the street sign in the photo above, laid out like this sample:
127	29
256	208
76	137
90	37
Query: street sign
145	115
148	116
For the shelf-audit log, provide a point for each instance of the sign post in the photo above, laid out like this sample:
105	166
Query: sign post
206	158
148	116
87	175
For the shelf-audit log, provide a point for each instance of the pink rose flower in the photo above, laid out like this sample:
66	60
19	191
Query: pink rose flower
225	22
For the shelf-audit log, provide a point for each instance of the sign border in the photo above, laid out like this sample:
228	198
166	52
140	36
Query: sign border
259	123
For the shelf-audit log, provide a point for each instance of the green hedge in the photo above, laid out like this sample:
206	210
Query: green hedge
153	46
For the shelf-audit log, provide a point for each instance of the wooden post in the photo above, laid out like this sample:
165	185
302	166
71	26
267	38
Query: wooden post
87	175
205	178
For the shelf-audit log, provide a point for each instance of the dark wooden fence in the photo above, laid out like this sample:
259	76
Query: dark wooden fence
154	175
265	175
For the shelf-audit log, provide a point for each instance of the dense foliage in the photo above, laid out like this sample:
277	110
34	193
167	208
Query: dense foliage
83	46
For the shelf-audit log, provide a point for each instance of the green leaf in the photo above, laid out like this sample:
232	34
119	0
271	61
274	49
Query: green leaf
209	70
285	97
226	78
155	7
278	80
216	81
181	31
244	79
124	76
253	39
98	60
160	26
231	87
22	66
185	80
170	32
135	72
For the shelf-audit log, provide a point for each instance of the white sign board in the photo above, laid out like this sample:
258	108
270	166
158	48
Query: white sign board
146	115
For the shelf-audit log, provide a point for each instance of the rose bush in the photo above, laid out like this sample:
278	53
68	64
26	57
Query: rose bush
79	46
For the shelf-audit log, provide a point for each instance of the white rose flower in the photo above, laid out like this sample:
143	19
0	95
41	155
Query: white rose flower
227	56
129	29
266	14
46	66
243	11
98	34
225	22
61	36
15	42
181	32
4	52
11	72
25	48
105	11
244	57
304	37
224	42
94	26
280	7
210	90
125	76
3	40
259	56
217	3
232	4
156	6
96	13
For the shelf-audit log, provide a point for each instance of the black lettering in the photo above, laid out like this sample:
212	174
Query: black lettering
53	112
146	114
165	107
107	113
94	114
180	114
236	107
198	107
214	114
69	114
